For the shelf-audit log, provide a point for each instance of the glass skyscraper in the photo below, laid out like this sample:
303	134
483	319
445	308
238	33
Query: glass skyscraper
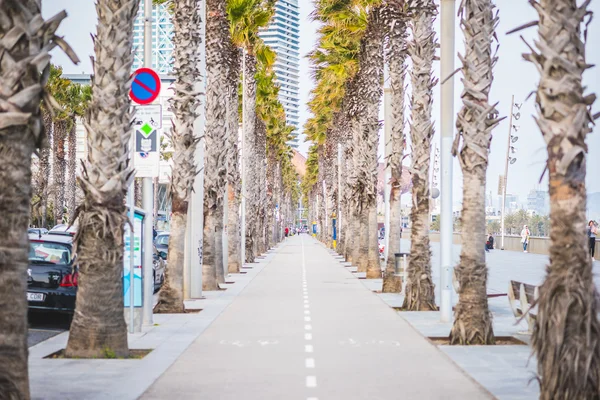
282	35
162	45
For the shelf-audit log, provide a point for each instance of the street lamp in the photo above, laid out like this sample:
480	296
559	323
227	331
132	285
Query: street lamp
510	160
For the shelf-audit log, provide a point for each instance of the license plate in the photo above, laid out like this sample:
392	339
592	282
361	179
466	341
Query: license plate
35	296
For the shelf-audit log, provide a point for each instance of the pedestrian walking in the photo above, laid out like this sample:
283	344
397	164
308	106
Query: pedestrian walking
525	237
287	231
592	231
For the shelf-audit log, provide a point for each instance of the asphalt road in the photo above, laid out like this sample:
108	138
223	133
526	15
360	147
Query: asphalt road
43	326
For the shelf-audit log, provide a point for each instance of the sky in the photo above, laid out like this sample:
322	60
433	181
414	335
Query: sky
513	76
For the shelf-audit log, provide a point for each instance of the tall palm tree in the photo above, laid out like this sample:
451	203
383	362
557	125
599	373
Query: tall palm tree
365	131
98	323
187	40
246	18
476	120
395	19
80	98
565	335
419	286
54	85
21	133
62	92
216	141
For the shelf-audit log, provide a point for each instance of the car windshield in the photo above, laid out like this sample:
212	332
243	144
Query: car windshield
162	240
46	252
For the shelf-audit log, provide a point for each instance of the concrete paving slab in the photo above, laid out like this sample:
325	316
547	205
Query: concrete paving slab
302	330
128	379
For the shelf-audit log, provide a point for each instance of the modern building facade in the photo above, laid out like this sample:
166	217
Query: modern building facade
283	36
162	35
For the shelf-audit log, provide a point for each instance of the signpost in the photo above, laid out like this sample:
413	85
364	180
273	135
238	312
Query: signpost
145	88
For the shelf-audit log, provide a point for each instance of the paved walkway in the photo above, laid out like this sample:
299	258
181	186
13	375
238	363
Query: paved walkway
305	328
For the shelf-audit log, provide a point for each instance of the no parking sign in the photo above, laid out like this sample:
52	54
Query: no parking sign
145	87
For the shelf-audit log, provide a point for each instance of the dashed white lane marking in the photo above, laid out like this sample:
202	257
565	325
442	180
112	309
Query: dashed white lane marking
311	381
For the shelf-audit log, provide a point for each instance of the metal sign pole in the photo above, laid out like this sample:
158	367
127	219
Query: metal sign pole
147	194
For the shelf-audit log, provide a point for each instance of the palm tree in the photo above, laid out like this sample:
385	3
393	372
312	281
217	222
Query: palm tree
187	41
246	18
21	133
365	130
216	141
62	92
98	324
54	86
395	19
80	98
565	335
419	286
476	120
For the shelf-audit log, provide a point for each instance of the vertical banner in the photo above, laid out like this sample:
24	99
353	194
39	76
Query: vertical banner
334	226
137	260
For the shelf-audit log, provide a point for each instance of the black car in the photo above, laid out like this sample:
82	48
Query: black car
162	244
51	278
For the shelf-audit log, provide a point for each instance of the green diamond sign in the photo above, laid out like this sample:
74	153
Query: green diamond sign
147	129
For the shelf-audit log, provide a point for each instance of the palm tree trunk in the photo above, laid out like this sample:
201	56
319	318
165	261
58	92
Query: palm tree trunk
261	193
233	169
71	191
45	167
565	335
473	321
369	88
419	286
98	324
186	56
250	149
216	141
59	169
16	148
21	133
395	21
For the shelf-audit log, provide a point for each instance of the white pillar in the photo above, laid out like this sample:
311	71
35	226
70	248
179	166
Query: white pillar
193	288
447	130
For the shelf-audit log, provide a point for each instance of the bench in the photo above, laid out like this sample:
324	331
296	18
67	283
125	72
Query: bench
522	298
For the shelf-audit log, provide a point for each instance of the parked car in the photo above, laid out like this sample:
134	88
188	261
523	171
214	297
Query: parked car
51	278
162	244
52	274
63	229
37	231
